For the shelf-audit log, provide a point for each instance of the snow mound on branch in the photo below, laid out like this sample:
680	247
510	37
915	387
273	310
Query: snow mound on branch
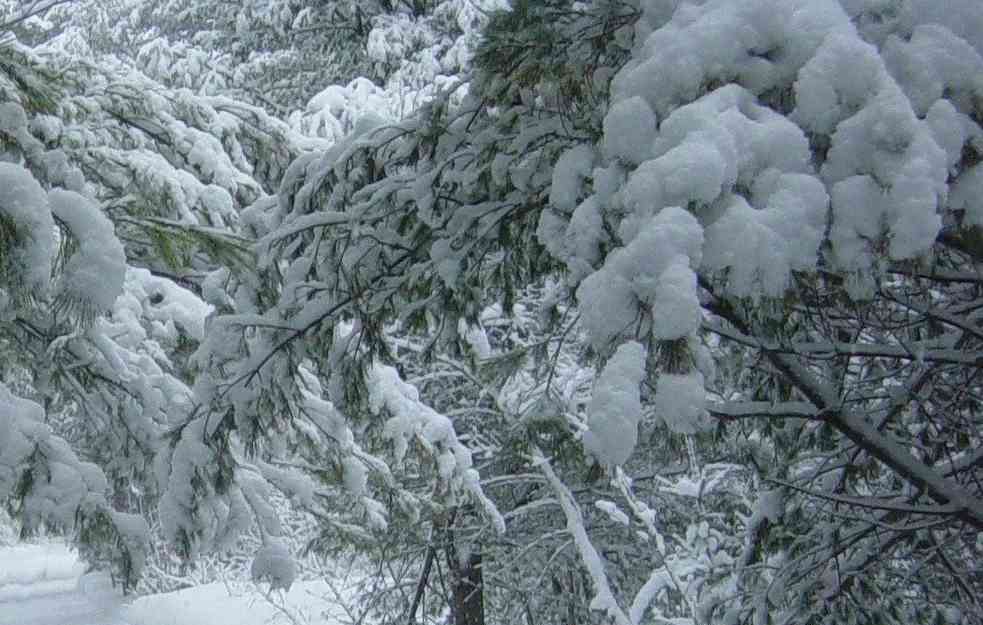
676	306
609	299
170	306
629	130
24	205
935	63
412	419
573	167
95	273
275	564
762	43
726	110
615	408
762	247
336	110
70	491
888	173
968	195
680	402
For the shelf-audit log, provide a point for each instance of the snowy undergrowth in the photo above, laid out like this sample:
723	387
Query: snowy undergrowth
166	572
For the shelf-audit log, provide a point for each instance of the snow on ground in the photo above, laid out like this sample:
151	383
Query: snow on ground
217	604
32	563
44	584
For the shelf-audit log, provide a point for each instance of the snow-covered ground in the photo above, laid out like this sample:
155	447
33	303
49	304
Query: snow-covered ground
44	584
31	564
217	604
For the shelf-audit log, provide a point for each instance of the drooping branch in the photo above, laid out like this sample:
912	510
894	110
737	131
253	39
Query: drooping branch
858	430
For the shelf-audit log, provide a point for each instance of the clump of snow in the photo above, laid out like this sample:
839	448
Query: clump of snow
607	306
629	130
745	165
476	338
615	408
71	489
761	42
693	171
134	534
181	512
880	153
761	247
274	564
609	299
967	195
24	204
934	63
583	238
615	513
680	402
168	304
12	118
569	174
95	273
676	306
771	504
951	130
355	475
837	82
334	112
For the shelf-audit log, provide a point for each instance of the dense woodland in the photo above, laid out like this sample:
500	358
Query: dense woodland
542	312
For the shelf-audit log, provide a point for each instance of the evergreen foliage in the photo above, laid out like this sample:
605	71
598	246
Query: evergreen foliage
606	311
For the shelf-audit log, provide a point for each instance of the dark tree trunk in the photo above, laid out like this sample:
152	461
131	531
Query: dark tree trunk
467	584
468	590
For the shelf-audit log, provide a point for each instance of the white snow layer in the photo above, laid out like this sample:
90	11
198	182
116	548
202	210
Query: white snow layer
410	418
25	564
218	603
609	298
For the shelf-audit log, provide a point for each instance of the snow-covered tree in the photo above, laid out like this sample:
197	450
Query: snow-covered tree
282	54
119	200
669	307
789	182
776	182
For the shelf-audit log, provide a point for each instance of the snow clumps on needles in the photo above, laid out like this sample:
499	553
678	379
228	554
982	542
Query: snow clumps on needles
736	132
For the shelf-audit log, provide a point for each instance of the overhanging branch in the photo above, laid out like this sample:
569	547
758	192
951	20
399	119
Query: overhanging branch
862	433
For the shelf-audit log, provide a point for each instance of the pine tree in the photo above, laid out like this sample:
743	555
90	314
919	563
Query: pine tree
710	212
118	203
666	307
